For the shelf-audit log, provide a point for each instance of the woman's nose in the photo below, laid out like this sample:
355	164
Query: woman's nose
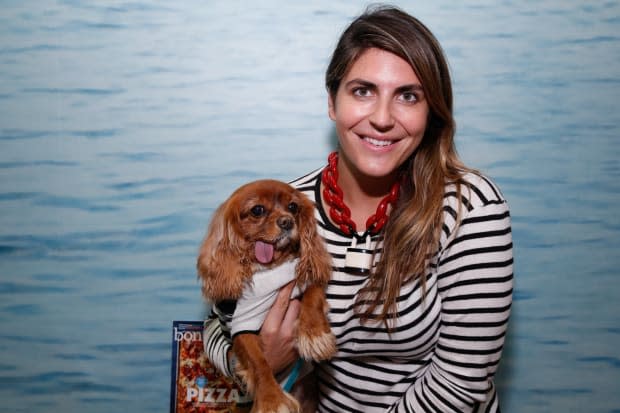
381	116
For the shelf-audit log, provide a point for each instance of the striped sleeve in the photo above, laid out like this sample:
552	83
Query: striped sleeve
475	281
216	345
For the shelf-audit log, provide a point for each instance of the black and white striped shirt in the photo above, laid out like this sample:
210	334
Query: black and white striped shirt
444	349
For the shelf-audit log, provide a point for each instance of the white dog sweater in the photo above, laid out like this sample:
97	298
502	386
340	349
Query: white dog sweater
246	315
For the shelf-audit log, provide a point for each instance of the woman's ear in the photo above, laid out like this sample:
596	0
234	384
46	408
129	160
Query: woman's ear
221	264
315	263
331	107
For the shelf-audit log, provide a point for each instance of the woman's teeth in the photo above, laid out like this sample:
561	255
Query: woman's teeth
377	142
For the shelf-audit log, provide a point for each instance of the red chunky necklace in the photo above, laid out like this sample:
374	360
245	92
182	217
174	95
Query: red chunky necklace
338	210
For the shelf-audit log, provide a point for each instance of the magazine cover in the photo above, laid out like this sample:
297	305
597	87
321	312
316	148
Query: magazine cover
197	386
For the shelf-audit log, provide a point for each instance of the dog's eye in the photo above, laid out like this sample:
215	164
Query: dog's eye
293	208
258	210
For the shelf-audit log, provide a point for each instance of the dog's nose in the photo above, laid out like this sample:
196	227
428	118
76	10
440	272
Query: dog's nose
285	223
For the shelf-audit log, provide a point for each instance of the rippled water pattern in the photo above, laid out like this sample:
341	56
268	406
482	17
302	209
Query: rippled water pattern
123	124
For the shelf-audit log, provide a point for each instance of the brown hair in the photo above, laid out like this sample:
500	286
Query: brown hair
413	230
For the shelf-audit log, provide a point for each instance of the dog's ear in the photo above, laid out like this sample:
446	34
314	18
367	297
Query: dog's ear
221	264
315	263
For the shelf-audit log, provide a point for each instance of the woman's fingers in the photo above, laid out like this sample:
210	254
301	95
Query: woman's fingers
278	331
278	310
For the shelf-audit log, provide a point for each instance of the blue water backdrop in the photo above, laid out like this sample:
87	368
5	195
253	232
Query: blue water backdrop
124	124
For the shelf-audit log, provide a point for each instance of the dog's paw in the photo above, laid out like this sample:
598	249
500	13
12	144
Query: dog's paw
278	402
316	347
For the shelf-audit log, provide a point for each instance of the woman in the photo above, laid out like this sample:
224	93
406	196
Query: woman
422	250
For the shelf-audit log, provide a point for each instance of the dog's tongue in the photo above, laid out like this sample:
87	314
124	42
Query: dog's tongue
263	252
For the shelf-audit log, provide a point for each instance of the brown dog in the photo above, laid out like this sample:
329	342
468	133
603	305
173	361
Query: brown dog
263	225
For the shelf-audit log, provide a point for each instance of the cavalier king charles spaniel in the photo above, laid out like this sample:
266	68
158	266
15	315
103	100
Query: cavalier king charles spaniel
262	237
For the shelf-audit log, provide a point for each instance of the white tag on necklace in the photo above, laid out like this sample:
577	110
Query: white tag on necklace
359	260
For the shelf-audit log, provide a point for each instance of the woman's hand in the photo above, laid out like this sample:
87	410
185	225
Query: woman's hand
278	333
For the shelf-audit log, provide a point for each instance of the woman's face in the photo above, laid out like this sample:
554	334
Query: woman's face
380	113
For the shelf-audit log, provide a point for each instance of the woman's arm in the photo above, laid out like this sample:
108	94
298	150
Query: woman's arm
475	279
216	346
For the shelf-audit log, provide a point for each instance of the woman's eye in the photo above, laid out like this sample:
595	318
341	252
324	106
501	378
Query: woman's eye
293	208
361	91
257	210
409	97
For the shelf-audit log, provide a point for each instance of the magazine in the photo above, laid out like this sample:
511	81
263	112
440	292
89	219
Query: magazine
197	386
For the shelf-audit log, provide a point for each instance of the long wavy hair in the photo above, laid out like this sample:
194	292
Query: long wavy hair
413	230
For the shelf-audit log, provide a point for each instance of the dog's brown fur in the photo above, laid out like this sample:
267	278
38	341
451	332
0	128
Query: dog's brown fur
226	263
